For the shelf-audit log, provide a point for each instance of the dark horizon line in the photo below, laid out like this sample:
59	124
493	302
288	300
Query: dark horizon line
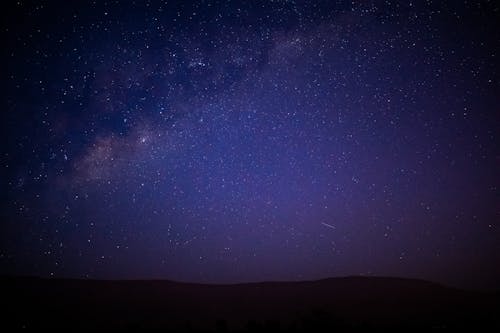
338	278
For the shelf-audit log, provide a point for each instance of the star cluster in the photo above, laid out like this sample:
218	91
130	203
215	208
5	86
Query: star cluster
228	141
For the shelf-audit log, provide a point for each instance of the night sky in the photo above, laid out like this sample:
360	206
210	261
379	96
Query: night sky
233	141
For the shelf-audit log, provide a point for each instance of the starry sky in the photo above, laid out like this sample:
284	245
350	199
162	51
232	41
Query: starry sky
233	141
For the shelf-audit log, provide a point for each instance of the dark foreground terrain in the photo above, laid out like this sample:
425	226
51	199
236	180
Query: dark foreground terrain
341	304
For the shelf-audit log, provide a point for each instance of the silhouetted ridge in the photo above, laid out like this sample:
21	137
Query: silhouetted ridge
348	303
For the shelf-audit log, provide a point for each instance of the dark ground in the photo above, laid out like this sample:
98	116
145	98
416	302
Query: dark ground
341	304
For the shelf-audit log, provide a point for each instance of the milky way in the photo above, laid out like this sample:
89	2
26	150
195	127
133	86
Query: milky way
247	141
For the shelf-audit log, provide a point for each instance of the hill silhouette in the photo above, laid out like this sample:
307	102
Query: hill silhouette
334	305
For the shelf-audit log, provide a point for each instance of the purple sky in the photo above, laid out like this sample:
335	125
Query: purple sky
246	141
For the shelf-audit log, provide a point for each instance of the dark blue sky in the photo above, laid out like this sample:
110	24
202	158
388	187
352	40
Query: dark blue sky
229	141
